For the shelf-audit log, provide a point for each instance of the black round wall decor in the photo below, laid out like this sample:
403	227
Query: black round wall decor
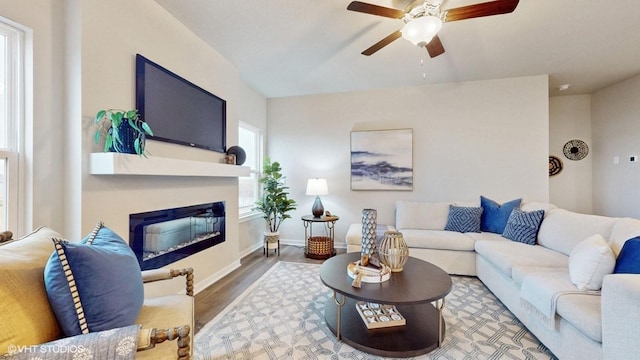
555	165
575	149
241	156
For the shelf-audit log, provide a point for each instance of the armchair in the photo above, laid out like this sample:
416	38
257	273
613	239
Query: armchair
27	318
170	309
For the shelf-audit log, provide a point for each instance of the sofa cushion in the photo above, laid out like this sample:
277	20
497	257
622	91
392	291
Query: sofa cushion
354	233
519	272
421	215
504	255
437	239
495	216
463	219
94	285
485	236
628	262
531	206
624	229
590	261
562	230
582	311
27	318
523	226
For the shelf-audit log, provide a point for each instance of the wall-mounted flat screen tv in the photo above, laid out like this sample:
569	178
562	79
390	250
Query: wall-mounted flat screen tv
177	110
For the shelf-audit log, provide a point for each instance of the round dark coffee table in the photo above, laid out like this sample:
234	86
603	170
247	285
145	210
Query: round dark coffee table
412	291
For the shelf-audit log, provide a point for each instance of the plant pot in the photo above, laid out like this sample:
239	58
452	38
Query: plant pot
128	135
271	239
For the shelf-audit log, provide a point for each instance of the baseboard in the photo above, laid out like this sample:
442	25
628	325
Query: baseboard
210	280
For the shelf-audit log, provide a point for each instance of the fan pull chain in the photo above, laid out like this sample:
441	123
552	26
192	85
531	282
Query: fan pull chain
424	74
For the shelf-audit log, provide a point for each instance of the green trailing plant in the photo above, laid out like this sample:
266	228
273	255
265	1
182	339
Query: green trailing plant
274	201
108	123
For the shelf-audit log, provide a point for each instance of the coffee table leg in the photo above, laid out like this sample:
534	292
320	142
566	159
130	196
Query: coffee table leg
440	307
340	304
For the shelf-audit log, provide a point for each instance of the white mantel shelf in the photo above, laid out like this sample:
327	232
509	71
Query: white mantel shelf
126	164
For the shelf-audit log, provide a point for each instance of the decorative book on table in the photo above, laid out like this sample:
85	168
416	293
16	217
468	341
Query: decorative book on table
376	316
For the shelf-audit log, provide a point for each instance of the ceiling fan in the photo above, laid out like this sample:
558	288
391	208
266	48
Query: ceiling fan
424	18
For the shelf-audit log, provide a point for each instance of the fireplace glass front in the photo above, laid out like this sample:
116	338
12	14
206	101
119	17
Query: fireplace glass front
161	237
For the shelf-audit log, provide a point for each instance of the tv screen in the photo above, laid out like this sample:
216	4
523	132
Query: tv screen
177	110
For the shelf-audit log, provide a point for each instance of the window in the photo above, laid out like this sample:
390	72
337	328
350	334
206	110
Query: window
11	119
250	139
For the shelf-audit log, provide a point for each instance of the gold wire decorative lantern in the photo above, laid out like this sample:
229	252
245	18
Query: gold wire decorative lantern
393	250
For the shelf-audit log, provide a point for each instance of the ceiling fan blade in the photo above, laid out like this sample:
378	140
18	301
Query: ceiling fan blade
483	9
434	47
382	43
375	10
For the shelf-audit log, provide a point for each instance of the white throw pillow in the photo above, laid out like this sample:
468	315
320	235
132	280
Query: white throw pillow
590	261
421	215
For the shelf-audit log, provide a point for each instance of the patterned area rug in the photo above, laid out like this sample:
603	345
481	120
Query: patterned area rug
281	316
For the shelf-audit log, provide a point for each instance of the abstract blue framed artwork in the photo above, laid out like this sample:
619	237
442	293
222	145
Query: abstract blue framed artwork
382	160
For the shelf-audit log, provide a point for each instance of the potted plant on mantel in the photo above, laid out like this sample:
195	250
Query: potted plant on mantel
124	131
274	201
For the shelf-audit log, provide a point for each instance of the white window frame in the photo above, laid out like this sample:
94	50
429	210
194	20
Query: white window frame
246	212
15	112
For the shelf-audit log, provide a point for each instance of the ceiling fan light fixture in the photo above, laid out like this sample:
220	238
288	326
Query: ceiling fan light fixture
421	30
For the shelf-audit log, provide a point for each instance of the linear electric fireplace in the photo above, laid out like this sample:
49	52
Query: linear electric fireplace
161	237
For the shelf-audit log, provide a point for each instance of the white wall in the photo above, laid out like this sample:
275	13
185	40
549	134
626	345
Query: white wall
469	139
108	79
570	118
615	113
44	135
251	229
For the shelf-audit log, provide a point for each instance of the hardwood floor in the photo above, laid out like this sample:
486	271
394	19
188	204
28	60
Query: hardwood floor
210	301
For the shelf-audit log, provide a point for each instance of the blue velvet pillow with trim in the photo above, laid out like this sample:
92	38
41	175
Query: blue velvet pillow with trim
95	284
628	261
463	219
495	216
523	226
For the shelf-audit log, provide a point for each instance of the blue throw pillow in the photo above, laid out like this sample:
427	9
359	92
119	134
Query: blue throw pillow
94	285
628	261
495	216
463	219
523	226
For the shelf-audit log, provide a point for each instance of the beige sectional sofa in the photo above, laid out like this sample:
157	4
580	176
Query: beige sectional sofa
538	282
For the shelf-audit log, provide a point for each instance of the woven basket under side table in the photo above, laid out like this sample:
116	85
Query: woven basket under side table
319	247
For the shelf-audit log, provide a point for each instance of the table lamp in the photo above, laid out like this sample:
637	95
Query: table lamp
317	187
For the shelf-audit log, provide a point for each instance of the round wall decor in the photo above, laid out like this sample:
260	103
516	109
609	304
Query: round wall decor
555	165
575	149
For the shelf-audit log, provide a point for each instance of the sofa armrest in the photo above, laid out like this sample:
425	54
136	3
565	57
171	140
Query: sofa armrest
148	338
620	316
166	274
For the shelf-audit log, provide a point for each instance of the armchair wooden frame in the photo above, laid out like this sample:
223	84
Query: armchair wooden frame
150	337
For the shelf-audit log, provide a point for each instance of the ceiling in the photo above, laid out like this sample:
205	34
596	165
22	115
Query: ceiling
297	47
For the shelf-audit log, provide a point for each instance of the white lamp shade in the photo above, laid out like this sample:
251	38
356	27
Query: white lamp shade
317	187
421	30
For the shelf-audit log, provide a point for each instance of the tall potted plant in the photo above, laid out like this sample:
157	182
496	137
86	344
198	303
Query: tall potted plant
123	130
274	201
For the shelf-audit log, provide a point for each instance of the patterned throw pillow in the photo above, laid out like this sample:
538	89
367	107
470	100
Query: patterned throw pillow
95	284
523	226
464	219
495	216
